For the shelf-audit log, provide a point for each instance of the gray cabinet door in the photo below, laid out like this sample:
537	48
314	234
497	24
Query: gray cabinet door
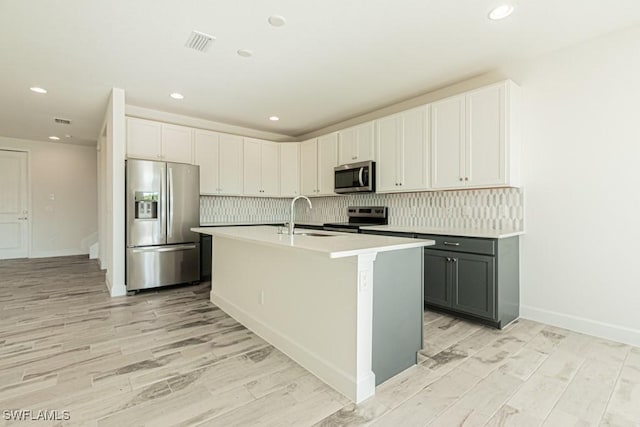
474	285
437	289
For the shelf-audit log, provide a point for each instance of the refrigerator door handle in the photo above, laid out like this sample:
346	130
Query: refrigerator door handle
164	248
170	219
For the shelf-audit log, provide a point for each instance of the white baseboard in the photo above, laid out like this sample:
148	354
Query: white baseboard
61	252
583	325
117	291
326	371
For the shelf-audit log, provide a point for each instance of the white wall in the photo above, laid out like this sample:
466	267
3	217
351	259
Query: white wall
67	224
581	165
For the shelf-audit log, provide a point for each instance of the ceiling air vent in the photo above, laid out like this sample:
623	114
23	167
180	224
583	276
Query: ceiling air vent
62	121
199	41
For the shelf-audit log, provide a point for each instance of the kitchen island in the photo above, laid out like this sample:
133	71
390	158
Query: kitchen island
347	307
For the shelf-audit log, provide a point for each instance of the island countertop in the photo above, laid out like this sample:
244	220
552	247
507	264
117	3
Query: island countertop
337	245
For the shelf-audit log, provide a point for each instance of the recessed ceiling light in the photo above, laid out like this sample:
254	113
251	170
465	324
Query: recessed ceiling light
501	12
37	89
245	53
54	138
277	20
274	118
177	95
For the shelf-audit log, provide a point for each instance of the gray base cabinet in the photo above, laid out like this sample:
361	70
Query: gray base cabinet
463	282
474	277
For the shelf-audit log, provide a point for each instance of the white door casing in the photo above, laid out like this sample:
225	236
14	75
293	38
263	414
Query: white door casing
14	205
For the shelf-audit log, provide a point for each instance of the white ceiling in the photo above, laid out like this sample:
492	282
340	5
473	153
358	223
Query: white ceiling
334	59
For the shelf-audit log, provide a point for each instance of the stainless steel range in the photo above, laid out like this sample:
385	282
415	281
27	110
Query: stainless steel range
360	216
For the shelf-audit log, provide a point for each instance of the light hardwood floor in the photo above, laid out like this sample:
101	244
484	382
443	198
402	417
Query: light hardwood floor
171	358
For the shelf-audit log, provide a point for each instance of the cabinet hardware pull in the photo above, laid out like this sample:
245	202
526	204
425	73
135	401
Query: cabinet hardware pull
448	259
454	259
466	178
461	178
452	243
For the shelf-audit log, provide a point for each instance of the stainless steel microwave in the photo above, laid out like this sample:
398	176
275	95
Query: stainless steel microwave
355	177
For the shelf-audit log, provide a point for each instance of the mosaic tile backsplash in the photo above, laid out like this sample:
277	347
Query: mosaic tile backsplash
493	209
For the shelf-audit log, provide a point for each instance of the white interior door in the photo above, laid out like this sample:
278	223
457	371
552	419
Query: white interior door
14	196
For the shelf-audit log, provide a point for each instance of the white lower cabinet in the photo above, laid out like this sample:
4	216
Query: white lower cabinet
221	160
475	140
290	169
318	158
403	147
261	168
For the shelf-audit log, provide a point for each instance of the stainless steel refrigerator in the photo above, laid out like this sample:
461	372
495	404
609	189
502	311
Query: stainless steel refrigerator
163	203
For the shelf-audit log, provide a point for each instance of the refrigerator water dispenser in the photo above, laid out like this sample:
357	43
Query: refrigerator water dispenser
146	205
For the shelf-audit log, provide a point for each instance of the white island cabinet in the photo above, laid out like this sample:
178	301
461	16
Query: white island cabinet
346	307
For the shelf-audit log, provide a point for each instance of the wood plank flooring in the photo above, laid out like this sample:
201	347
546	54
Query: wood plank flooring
171	358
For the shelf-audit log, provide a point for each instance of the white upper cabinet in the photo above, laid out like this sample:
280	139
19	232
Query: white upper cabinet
448	142
403	146
230	165
207	149
220	159
318	158
327	161
147	139
252	167
261	168
475	138
144	139
356	144
290	169
309	167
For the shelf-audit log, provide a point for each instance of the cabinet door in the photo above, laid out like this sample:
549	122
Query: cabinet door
437	288
447	142
230	164
252	167
206	156
347	140
327	161
144	139
413	150
473	285
356	144
177	144
388	139
290	169
270	169
309	167
365	147
486	127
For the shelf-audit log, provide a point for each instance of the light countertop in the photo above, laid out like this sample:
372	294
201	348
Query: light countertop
490	234
233	224
338	245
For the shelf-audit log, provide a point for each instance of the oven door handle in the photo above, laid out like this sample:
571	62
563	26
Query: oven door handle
360	177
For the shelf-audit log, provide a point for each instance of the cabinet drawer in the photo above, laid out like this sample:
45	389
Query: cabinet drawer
461	244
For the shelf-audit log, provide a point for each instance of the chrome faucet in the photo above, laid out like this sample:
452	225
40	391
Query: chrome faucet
293	203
